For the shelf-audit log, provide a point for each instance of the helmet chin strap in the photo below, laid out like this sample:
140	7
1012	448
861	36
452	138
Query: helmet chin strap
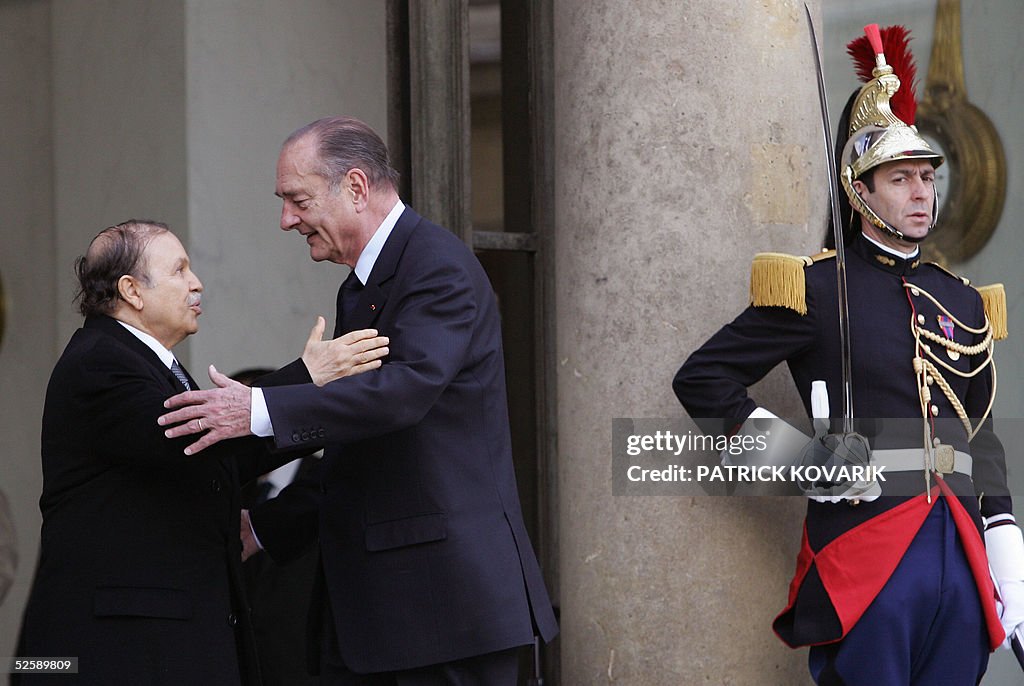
919	239
899	235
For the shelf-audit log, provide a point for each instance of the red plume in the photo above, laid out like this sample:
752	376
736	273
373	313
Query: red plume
874	37
896	45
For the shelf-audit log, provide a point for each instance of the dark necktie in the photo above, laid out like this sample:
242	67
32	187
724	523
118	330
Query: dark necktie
179	374
348	297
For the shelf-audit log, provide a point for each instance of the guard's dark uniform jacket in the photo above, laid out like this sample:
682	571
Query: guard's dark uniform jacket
835	584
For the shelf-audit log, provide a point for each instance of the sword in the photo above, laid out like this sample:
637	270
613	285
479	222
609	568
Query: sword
1018	651
846	447
833	198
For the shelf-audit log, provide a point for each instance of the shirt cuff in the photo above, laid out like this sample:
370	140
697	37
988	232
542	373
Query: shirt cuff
259	415
256	538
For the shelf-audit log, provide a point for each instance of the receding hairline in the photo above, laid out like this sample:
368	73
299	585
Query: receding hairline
319	128
143	230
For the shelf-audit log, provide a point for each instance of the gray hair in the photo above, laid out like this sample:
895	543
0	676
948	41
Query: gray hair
345	143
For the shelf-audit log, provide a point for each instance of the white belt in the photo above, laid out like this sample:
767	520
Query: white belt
912	459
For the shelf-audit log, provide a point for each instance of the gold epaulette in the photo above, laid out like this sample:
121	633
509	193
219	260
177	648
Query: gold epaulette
777	280
994	299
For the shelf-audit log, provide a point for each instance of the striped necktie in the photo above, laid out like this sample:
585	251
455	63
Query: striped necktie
179	374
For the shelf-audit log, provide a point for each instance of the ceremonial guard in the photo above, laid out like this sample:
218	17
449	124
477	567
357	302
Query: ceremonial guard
893	582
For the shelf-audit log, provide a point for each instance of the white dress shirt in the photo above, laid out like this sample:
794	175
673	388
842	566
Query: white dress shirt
165	355
893	251
259	416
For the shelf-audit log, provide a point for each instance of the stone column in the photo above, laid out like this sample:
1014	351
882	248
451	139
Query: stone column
688	139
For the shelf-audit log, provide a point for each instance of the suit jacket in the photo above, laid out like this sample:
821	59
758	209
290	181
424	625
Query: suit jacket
712	386
139	571
425	554
279	594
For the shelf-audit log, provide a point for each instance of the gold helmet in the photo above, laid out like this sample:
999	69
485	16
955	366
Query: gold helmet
881	116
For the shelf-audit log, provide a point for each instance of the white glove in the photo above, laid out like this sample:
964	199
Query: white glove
1005	547
781	440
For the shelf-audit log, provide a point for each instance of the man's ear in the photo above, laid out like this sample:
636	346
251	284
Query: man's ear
357	186
860	187
131	292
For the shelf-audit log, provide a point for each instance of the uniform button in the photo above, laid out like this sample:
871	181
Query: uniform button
920	319
915	292
215	486
931	380
295	437
927	348
935	410
233	619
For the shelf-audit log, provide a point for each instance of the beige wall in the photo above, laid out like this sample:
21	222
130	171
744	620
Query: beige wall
29	347
256	72
172	111
118	125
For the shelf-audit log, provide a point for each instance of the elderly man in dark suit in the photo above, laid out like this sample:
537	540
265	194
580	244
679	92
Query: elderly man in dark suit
428	573
139	572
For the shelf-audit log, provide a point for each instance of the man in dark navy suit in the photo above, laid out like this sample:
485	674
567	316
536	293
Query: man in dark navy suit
893	589
428	575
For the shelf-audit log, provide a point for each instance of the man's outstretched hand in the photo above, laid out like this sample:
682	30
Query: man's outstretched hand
354	353
219	413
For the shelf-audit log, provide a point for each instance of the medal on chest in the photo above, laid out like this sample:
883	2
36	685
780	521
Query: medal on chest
946	325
